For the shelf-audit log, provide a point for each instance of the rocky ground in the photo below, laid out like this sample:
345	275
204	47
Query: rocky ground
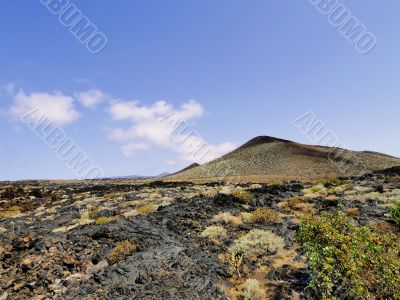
131	240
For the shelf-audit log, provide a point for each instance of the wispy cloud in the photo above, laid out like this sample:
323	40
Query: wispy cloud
57	107
130	150
91	98
9	88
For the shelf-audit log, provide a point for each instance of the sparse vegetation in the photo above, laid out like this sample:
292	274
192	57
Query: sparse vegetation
350	261
121	251
265	215
216	234
335	182
293	203
252	290
316	189
243	195
10	212
147	209
106	220
246	217
227	218
235	260
253	240
258	242
275	184
353	212
395	213
92	213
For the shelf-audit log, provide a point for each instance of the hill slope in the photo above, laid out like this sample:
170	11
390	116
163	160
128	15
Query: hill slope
264	159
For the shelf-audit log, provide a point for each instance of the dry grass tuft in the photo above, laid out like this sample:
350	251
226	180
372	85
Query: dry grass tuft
10	212
147	209
216	234
353	212
293	203
92	213
121	251
252	290
227	218
246	217
105	220
265	215
243	195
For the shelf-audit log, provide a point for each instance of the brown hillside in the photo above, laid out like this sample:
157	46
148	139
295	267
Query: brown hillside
265	159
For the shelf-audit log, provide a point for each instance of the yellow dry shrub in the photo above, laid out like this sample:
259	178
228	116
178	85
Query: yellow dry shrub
227	218
216	234
121	251
105	220
147	209
252	290
265	215
243	195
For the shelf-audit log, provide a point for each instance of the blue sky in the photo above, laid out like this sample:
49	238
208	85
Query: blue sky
230	69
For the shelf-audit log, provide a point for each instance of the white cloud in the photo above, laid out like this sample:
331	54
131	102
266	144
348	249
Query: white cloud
57	107
172	133
129	150
91	98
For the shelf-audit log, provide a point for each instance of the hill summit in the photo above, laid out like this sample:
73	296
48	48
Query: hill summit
266	158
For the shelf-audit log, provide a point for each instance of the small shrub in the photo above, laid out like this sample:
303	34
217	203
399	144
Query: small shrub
258	242
93	212
395	213
243	195
105	220
394	180
216	234
348	261
227	218
10	212
121	251
14	208
353	212
147	209
255	186
235	260
265	215
275	184
382	226
315	189
252	290
246	217
293	203
335	182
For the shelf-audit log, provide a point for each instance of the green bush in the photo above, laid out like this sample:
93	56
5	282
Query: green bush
395	213
348	261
